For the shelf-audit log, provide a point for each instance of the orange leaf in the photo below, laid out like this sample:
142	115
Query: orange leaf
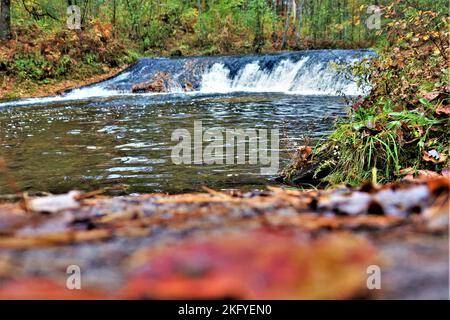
259	265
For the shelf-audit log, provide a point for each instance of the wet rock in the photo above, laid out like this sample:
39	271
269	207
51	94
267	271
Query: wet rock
308	174
161	82
188	87
176	53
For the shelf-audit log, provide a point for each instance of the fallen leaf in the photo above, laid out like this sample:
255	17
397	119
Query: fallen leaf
11	216
304	152
437	216
430	96
443	110
426	174
258	265
53	204
434	156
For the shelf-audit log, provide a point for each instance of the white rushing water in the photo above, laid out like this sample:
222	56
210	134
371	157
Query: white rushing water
251	78
287	77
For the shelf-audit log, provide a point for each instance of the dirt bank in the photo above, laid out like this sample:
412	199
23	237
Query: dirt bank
12	88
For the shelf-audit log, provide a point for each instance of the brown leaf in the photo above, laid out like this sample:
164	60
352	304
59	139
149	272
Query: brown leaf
434	156
304	152
425	174
437	216
11	216
441	110
430	96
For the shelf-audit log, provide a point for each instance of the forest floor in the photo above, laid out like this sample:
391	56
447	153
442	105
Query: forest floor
17	89
37	63
278	244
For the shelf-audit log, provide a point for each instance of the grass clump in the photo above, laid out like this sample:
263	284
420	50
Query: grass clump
389	143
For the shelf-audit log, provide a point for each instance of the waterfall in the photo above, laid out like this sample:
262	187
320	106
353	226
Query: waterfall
287	77
301	73
251	78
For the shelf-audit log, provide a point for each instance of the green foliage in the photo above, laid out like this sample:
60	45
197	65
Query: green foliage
220	26
29	67
39	56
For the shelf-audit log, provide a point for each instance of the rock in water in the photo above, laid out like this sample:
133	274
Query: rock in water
161	82
188	87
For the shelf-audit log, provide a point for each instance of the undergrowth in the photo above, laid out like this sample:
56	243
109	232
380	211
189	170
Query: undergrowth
37	57
402	127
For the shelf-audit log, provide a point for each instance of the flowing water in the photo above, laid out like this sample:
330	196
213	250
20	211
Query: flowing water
103	136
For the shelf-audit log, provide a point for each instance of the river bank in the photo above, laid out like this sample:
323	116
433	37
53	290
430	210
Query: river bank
37	63
401	128
16	89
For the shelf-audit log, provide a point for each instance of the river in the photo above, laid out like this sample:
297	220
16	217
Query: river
104	136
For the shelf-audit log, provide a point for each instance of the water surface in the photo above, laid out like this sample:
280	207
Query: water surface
125	144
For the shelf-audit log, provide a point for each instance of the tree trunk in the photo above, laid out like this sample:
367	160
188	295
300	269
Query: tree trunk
286	25
258	41
298	33
340	20
274	22
5	19
200	19
344	18
353	22
114	14
313	19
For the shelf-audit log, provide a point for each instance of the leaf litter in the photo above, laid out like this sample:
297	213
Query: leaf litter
267	244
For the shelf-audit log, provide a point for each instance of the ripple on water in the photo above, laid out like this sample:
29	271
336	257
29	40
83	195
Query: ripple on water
126	142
